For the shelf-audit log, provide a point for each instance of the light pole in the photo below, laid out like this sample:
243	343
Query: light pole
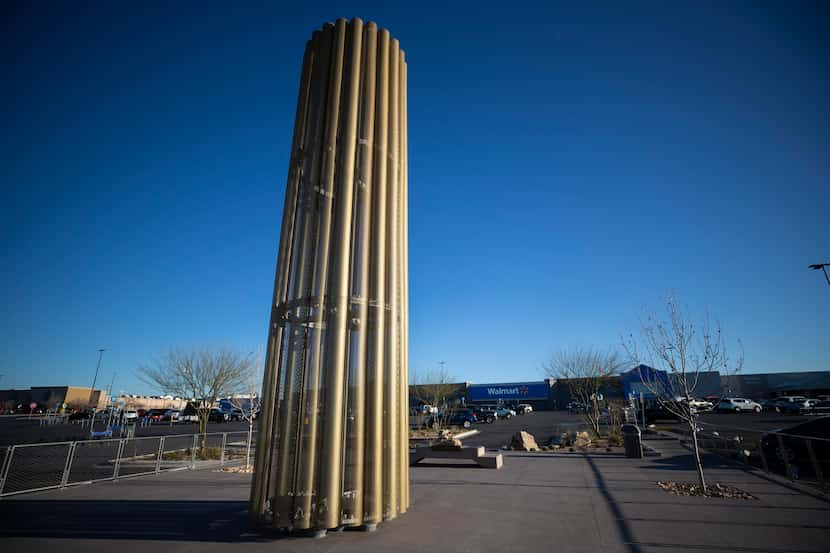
94	380
442	378
112	383
823	267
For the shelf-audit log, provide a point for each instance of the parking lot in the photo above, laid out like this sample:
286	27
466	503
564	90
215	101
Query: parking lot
43	465
22	429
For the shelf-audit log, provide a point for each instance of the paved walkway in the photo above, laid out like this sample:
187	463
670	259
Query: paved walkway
538	502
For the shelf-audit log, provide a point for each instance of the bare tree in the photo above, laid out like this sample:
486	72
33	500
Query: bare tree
203	374
585	371
682	353
246	399
434	388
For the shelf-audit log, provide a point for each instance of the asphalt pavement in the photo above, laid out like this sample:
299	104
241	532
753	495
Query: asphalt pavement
536	503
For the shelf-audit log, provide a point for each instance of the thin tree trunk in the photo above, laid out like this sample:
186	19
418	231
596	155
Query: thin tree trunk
595	422
248	448
203	422
698	462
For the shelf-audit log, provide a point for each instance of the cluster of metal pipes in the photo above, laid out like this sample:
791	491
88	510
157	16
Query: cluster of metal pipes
332	448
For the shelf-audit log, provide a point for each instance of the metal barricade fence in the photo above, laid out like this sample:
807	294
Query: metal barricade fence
176	452
35	467
138	456
93	461
236	448
802	458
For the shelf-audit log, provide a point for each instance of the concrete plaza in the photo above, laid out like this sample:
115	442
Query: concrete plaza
537	502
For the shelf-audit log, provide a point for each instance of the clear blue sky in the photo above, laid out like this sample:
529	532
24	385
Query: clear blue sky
569	166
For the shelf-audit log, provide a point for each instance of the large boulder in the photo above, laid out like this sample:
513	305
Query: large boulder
583	440
524	441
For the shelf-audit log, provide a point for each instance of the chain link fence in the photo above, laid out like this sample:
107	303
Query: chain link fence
35	467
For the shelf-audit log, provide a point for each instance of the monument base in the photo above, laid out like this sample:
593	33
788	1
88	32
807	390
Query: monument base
475	454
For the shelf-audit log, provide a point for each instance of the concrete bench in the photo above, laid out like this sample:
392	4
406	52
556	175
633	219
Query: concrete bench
475	454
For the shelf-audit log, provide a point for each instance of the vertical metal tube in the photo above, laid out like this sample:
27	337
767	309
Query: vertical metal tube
404	287
391	373
270	388
784	456
68	465
118	454
814	461
160	455
329	489
335	419
297	313
6	467
352	503
315	403
222	450
373	475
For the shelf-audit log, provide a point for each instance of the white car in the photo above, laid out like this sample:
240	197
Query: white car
524	408
504	413
428	409
699	405
130	415
790	404
738	404
187	418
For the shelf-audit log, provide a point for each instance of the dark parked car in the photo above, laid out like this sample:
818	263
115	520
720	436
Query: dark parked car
656	412
821	408
484	415
155	415
768	404
217	415
795	448
460	417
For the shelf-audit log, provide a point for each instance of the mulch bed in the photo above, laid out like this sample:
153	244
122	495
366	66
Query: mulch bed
712	490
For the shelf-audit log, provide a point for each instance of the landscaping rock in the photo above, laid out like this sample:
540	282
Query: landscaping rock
583	440
524	441
712	490
449	444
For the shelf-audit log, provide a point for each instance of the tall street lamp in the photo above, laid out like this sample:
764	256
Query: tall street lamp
823	267
95	379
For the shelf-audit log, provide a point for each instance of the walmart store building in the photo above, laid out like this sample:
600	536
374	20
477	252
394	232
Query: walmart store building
537	394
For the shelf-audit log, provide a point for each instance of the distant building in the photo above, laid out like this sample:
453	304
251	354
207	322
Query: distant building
768	385
535	393
708	382
52	397
151	402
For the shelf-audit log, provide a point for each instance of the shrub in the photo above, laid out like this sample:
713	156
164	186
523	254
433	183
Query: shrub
202	454
614	437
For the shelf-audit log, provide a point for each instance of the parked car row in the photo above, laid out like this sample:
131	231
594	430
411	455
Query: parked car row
468	416
792	405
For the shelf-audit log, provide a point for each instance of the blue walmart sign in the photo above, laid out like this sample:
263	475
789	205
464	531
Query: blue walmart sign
512	391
